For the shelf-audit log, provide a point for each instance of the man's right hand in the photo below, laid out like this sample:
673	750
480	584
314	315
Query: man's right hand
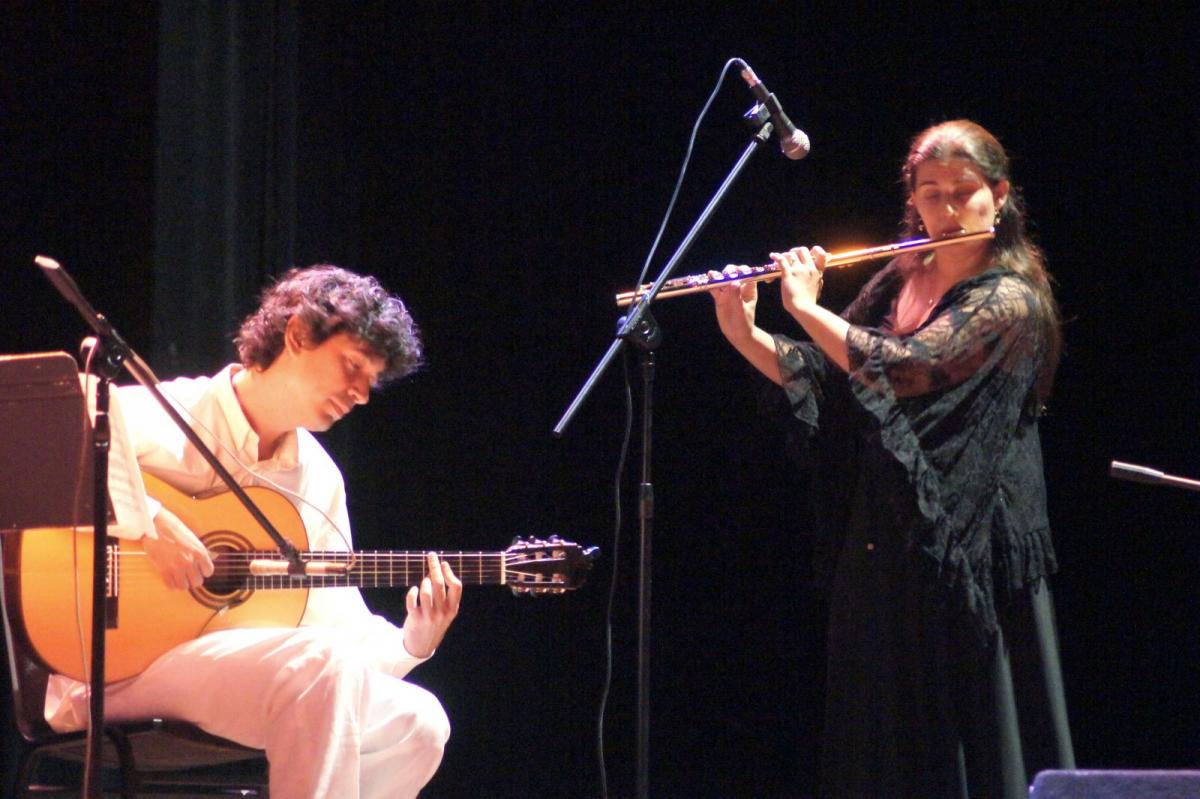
180	557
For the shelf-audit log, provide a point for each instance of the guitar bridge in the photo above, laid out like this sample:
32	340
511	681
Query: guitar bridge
112	583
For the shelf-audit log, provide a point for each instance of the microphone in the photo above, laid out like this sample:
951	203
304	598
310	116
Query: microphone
792	141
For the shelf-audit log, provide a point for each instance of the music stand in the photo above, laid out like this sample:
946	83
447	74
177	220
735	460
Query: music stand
45	457
48	441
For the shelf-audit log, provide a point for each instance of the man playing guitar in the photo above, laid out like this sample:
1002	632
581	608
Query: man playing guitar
326	700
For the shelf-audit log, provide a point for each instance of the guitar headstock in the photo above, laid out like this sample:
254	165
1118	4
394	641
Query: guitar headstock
546	566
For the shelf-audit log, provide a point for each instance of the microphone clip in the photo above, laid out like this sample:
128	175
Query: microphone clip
757	116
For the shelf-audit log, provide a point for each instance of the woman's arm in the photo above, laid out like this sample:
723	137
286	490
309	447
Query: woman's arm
735	305
801	286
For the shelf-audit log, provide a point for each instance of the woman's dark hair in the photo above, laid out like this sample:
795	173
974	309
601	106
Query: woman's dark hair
1011	248
330	300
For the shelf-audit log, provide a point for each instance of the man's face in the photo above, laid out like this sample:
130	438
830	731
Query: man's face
330	378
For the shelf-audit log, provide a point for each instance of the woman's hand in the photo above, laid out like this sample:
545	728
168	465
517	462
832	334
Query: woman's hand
180	557
801	277
801	285
735	304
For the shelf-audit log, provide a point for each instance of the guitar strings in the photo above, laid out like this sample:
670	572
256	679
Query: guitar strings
136	571
135	566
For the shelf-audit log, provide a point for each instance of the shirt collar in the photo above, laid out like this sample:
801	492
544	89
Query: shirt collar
242	434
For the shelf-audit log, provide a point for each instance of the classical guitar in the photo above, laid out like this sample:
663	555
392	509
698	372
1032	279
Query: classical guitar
46	569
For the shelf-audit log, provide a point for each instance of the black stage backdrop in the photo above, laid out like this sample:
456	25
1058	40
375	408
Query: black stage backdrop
505	168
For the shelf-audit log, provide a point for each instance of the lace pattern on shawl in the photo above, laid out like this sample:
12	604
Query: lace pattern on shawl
949	399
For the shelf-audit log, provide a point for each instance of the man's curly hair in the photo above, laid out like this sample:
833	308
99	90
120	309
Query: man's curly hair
331	300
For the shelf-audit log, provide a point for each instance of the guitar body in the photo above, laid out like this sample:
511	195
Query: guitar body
48	576
53	575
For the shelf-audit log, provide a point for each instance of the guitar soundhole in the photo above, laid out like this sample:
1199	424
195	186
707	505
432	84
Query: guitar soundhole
226	587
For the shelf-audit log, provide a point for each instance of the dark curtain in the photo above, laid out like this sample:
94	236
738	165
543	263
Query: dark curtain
225	171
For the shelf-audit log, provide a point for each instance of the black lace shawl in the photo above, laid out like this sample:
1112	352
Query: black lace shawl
954	404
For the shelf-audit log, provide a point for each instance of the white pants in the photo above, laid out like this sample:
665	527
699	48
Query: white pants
331	726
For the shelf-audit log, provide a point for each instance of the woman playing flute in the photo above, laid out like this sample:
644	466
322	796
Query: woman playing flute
918	410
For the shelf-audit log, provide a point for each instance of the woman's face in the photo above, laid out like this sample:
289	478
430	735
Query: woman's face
952	196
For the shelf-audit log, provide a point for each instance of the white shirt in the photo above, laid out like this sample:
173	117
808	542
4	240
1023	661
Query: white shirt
299	465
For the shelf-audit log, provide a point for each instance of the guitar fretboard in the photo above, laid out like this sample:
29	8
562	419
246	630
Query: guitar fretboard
363	569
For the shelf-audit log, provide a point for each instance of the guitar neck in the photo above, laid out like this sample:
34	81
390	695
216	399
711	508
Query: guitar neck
364	569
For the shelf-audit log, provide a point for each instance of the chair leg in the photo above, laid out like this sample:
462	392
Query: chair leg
130	783
27	769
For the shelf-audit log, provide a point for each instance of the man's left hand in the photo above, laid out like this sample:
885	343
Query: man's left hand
432	607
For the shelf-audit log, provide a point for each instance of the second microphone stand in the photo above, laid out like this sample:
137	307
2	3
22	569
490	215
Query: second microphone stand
640	328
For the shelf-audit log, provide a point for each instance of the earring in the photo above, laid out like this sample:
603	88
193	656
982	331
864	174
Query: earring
920	226
996	220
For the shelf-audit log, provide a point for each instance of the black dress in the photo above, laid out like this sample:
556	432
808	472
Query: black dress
932	540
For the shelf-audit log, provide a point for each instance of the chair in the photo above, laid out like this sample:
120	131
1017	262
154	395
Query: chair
151	757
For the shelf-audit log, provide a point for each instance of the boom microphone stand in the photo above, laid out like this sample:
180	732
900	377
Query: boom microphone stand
641	329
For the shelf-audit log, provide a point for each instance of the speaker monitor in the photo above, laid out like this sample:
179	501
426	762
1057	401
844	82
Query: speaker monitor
1085	784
